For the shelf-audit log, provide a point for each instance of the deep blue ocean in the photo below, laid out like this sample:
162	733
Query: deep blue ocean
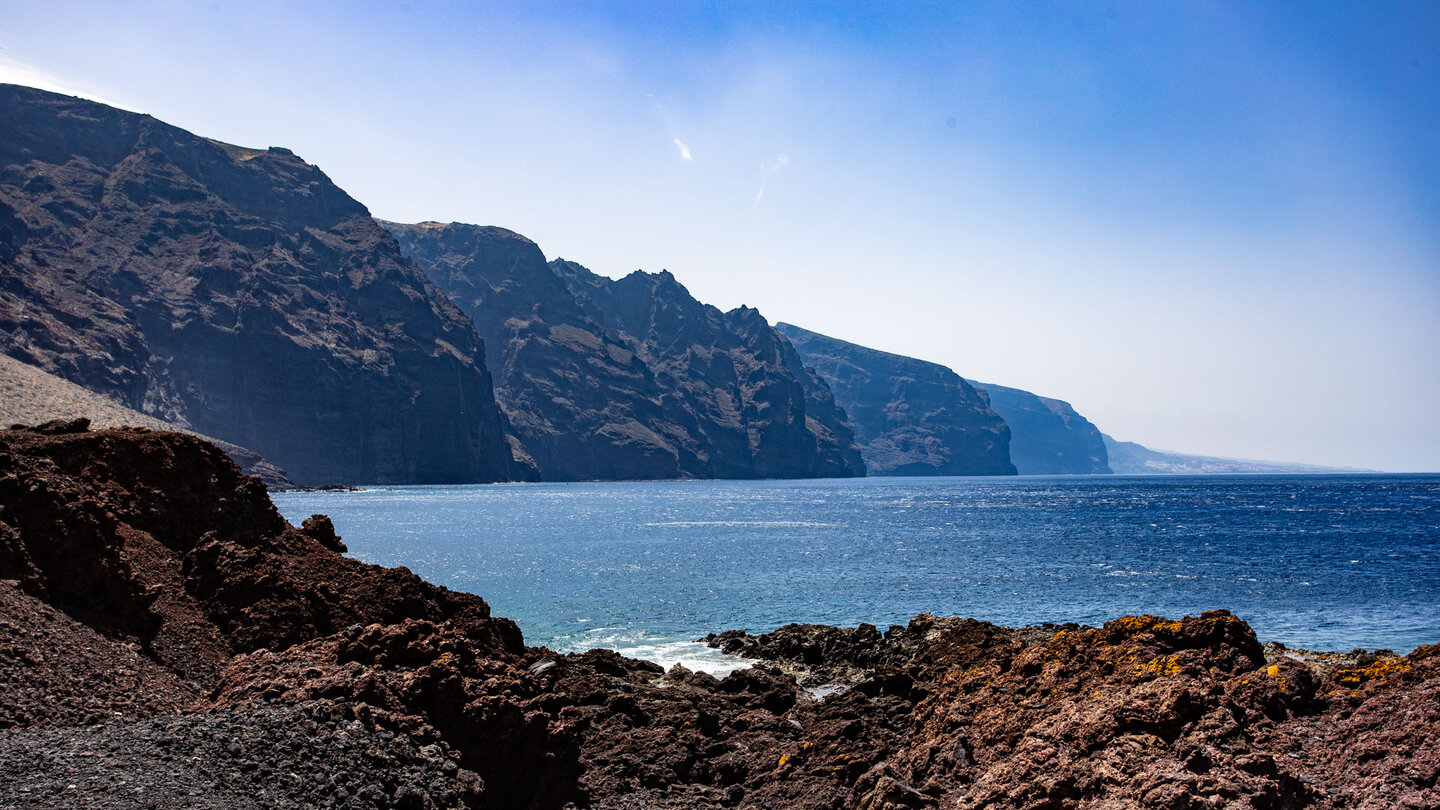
1322	562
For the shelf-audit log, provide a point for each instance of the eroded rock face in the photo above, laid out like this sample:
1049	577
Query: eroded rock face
158	539
910	417
1047	436
236	292
632	379
1143	712
760	411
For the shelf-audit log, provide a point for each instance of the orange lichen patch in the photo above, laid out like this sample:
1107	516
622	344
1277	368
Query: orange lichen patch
1159	666
1273	670
1145	624
1376	671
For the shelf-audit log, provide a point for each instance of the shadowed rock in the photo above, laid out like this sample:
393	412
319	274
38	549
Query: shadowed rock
910	417
633	378
235	292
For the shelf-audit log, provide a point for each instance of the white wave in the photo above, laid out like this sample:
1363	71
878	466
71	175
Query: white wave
693	655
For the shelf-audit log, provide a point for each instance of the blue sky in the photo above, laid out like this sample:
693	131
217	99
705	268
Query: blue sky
1212	227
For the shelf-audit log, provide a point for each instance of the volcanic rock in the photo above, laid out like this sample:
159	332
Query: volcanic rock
1047	436
910	417
31	396
235	292
632	379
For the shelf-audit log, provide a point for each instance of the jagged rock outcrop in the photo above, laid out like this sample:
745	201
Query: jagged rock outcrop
1047	436
159	539
910	417
235	292
144	575
1143	712
766	414
631	379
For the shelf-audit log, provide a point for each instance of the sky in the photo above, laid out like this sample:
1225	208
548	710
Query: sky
1212	227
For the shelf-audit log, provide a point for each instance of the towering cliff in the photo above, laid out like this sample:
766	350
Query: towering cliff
31	396
910	417
632	379
236	292
1047	436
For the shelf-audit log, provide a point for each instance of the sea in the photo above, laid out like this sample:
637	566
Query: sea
1323	562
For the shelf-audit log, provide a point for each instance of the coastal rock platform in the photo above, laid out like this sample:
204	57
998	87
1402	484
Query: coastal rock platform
168	639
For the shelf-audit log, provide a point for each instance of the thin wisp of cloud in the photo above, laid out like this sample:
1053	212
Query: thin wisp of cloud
776	165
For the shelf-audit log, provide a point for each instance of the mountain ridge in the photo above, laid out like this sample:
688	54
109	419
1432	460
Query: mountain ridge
236	292
910	416
631	378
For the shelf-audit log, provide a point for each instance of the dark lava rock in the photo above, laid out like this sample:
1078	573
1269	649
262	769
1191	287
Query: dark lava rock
631	379
1047	436
236	292
159	539
305	755
910	417
58	672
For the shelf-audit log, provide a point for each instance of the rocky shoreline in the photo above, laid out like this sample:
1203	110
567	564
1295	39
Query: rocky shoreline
167	639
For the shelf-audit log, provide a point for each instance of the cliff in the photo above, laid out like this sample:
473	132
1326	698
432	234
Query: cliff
235	292
1047	436
632	379
910	417
167	639
30	396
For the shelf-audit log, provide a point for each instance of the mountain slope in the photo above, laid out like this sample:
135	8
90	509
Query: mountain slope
595	387
754	400
910	417
32	396
236	292
1047	436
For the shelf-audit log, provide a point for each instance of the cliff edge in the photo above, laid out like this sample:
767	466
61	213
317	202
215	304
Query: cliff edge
910	417
235	292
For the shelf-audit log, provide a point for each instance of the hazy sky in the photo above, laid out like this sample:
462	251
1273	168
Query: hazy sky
1213	227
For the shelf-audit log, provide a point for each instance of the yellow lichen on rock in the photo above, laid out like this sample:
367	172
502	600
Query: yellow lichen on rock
1160	666
1383	668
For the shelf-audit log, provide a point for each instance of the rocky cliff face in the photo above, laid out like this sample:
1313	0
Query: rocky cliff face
30	396
236	292
910	417
1047	436
765	413
631	379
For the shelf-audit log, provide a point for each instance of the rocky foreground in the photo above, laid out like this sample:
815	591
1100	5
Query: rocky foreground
167	640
